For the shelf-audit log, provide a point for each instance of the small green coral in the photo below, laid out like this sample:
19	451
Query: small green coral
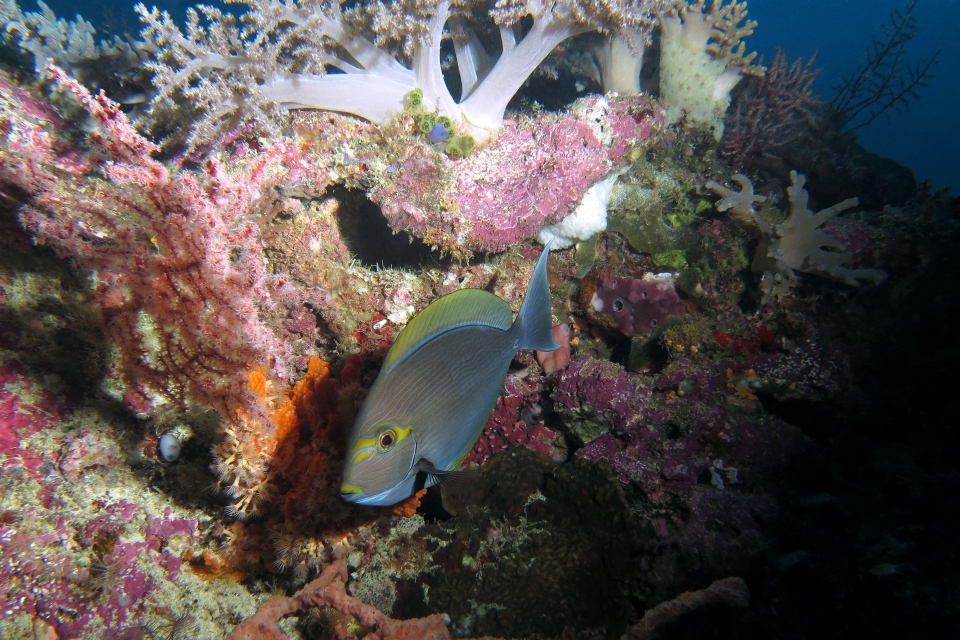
415	98
467	144
675	259
460	146
426	122
453	148
684	217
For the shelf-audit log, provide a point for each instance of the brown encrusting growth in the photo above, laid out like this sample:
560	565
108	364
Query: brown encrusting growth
730	591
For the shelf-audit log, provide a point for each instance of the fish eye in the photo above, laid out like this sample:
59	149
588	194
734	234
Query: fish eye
387	438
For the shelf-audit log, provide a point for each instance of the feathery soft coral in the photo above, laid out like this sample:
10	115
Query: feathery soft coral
280	55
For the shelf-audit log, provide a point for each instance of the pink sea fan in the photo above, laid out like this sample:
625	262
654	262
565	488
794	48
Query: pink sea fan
180	275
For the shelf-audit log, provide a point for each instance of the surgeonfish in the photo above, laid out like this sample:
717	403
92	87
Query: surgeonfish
437	388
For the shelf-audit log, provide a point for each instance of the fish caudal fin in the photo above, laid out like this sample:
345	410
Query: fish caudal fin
533	328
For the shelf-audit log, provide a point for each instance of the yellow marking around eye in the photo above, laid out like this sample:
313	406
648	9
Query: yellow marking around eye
346	487
362	455
363	443
401	432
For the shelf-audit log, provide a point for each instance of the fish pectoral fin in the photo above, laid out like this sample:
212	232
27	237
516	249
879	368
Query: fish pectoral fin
458	480
446	479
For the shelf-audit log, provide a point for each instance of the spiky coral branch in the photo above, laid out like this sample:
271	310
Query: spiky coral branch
282	54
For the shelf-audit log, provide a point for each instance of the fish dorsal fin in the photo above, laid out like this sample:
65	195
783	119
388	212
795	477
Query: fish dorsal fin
534	326
460	308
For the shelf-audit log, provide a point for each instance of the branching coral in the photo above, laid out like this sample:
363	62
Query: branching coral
885	80
281	54
703	57
68	43
328	591
177	272
768	115
179	277
46	36
796	244
738	203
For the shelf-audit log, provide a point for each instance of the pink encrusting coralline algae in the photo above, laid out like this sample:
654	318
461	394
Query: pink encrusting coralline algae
43	580
517	420
534	173
24	411
686	449
71	570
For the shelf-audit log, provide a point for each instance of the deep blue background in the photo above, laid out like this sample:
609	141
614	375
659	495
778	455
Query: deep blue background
926	138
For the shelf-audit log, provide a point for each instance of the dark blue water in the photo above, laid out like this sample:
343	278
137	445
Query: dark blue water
926	138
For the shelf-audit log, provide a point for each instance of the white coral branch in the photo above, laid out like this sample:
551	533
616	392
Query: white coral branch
284	54
739	202
802	242
796	244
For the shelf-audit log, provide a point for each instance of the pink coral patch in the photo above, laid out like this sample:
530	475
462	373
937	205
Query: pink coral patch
23	412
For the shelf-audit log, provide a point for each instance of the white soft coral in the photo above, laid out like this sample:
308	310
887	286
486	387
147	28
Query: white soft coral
278	55
796	244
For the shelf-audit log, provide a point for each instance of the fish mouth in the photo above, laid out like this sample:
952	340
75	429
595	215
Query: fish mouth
383	499
350	492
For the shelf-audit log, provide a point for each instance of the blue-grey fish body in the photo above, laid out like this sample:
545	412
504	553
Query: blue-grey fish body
437	388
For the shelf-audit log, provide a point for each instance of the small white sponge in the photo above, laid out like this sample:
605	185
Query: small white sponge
170	447
589	218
